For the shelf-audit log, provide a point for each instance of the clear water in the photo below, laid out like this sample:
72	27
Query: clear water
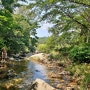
28	71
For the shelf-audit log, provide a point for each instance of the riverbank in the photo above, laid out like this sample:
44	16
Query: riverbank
62	74
57	72
26	72
68	76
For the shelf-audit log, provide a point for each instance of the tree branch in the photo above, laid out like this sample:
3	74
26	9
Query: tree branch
84	4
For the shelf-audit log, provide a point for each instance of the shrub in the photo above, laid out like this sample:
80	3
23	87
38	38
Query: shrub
81	73
54	55
86	81
42	48
80	54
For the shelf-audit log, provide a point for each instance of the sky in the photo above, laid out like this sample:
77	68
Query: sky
43	30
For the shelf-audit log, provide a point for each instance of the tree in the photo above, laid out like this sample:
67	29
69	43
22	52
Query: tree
16	30
71	22
66	15
6	24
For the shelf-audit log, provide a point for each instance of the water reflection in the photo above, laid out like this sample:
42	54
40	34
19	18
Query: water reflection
28	71
38	71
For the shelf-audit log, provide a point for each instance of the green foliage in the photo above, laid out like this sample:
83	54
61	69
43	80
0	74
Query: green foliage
80	72
67	16
77	69
71	27
48	46
86	81
6	24
50	43
80	53
1	43
8	4
42	40
15	32
42	48
54	55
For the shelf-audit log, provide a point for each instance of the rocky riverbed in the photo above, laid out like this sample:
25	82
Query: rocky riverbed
57	73
20	74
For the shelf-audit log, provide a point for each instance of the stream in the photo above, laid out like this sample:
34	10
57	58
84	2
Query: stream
28	71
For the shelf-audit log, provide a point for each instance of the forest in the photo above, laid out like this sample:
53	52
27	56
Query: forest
69	41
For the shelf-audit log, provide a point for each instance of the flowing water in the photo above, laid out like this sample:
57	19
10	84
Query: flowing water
28	71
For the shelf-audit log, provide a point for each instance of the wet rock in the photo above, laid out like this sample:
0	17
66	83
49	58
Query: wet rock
11	85
37	70
3	73
11	58
39	84
17	81
11	73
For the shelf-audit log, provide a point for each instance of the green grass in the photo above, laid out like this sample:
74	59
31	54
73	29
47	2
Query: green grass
81	71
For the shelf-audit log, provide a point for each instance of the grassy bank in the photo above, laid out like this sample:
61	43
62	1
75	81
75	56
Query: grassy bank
81	74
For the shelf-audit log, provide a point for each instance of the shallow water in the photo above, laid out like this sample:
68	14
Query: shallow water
28	71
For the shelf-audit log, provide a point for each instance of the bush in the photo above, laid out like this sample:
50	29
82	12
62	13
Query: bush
42	48
54	55
81	73
86	81
80	54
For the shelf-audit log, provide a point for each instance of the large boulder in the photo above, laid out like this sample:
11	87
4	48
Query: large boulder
39	84
39	56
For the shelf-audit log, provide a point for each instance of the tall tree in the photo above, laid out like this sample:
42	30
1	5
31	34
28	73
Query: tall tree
18	33
67	15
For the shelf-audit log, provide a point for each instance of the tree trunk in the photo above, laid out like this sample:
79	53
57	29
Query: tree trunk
87	37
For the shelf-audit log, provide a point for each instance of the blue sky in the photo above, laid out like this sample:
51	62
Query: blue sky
43	30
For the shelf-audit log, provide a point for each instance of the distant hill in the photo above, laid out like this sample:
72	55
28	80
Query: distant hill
42	40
